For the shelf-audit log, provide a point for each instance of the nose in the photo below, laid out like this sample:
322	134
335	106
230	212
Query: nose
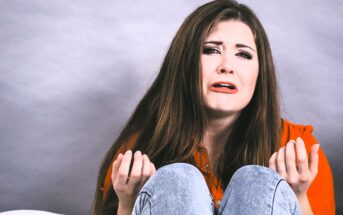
226	65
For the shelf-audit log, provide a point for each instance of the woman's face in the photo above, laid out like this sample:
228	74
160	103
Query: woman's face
229	64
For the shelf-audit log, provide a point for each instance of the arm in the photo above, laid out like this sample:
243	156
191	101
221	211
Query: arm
124	211
128	183
304	204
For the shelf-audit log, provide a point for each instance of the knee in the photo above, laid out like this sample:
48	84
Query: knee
180	172
253	177
255	188
256	174
177	175
178	185
251	184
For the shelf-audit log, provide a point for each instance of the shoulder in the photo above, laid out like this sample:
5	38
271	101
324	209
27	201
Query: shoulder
291	131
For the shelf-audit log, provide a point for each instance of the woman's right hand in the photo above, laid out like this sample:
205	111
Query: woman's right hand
127	186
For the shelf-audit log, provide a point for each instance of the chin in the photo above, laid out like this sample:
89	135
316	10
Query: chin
222	111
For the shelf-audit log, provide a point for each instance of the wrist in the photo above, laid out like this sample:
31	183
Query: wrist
123	210
301	196
304	204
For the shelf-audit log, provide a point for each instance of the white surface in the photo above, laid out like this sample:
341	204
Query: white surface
27	212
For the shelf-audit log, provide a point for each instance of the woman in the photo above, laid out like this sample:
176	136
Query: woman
214	106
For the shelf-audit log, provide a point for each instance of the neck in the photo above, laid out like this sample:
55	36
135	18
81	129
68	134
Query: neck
217	132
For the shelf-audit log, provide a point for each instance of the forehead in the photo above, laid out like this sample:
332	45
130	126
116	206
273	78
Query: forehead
231	30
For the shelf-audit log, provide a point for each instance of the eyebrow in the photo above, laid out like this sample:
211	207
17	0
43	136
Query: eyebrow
239	45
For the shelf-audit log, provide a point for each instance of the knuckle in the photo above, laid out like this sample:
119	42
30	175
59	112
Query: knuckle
122	175
302	159
280	159
135	176
146	174
304	177
292	178
289	157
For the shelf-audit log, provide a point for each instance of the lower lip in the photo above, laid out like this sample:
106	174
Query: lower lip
223	90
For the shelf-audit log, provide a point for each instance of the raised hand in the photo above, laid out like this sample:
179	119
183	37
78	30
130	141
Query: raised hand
292	163
127	184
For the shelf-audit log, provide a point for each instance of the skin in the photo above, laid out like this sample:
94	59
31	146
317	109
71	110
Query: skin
127	185
227	61
293	164
223	60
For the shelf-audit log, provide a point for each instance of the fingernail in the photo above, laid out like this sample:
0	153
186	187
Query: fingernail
291	141
138	153
299	139
128	152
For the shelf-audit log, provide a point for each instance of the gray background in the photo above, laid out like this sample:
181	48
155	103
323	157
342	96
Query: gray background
71	73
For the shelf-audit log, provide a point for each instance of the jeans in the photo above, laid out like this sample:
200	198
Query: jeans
180	188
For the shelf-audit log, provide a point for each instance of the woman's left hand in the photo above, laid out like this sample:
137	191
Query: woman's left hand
292	163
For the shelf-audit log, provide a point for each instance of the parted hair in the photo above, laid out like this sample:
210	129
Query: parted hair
170	119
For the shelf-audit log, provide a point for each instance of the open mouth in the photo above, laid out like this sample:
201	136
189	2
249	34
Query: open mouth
223	87
230	86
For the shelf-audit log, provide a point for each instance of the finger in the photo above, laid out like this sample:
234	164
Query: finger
302	160
291	166
136	172
124	168
146	171
272	162
115	167
314	159
152	168
146	167
280	163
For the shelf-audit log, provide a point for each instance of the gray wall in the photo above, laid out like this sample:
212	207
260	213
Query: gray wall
71	73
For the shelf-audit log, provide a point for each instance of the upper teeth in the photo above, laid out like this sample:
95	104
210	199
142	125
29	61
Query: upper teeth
224	85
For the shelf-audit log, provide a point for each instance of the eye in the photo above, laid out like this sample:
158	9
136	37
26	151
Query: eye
245	55
210	50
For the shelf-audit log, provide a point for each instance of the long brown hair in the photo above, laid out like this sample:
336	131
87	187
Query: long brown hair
171	118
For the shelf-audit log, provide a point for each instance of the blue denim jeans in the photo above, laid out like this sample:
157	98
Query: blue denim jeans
180	188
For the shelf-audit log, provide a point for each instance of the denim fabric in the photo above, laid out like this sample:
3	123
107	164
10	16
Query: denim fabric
180	188
177	188
258	190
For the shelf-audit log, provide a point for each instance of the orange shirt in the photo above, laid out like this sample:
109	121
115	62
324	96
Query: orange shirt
320	193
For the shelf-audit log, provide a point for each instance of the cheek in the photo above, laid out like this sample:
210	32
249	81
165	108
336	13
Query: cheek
250	82
206	70
252	85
